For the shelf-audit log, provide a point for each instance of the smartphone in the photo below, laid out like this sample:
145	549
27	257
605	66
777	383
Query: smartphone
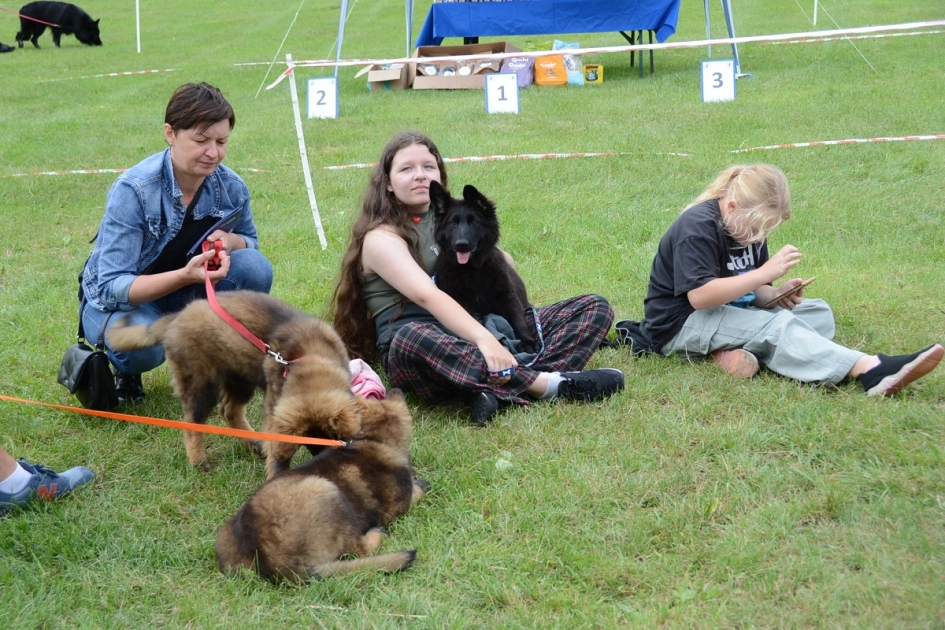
227	224
791	291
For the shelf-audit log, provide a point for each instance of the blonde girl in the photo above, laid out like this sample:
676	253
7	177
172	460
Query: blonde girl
712	273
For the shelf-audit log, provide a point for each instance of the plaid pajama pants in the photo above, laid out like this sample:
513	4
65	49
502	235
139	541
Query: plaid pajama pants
438	366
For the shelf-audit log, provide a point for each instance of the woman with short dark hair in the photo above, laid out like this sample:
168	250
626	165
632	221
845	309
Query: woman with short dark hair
156	215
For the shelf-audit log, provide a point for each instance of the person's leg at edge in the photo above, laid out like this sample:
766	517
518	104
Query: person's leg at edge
22	483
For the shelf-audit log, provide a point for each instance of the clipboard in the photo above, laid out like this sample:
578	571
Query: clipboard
226	223
791	291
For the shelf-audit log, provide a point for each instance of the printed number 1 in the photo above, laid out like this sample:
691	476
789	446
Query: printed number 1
718	79
502	92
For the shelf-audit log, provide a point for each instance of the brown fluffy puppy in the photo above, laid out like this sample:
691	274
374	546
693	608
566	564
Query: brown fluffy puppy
297	525
211	362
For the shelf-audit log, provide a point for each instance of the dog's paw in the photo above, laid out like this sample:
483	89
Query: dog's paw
256	447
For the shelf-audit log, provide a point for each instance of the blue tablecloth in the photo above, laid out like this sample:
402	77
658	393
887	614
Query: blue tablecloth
539	17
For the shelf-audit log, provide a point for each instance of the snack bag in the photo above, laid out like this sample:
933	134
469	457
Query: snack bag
550	70
572	63
524	67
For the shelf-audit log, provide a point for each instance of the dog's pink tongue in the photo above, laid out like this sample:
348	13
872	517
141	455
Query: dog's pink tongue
462	257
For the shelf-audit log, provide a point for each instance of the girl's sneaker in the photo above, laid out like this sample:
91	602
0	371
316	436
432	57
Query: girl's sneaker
590	385
893	373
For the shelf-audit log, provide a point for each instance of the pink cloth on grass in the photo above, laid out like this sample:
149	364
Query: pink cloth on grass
365	382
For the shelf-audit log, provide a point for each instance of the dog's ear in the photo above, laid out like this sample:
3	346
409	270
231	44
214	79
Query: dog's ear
473	197
439	198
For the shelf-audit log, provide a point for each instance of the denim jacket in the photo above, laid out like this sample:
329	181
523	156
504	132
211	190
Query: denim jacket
143	213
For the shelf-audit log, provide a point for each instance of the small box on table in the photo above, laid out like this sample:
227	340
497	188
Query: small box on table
457	74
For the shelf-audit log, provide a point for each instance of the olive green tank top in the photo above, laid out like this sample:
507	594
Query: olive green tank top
378	294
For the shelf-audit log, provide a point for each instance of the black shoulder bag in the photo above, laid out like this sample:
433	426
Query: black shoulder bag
86	372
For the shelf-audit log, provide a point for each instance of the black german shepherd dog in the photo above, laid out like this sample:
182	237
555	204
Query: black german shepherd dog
471	268
67	18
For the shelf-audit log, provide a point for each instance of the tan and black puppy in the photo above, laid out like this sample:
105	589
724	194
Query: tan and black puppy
297	525
210	363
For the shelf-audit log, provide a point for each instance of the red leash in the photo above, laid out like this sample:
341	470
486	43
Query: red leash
229	319
26	17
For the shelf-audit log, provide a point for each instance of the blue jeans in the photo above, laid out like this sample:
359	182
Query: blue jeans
249	270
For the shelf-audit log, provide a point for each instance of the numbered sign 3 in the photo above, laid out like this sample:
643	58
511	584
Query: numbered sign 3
718	80
502	93
323	97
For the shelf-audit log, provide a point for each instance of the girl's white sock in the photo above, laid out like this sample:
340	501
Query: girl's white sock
551	391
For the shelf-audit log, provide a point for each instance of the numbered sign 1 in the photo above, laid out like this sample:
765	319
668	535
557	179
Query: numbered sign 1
502	93
718	80
323	97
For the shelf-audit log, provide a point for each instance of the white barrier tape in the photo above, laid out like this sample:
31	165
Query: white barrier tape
840	39
490	158
325	63
823	143
110	74
498	158
97	171
539	156
91	171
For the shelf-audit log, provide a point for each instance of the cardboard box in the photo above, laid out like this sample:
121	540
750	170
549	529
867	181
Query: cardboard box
381	78
473	80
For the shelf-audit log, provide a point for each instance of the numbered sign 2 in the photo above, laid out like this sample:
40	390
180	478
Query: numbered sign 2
323	97
502	93
718	80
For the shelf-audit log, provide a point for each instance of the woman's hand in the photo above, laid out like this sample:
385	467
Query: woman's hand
230	240
194	270
497	358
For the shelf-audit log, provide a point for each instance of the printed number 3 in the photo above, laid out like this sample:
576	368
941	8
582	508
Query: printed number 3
717	79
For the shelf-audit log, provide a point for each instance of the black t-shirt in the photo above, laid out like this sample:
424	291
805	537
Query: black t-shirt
695	250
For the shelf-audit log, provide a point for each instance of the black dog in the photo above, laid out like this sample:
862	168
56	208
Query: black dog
68	19
471	268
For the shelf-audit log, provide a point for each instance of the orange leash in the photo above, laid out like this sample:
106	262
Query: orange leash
185	426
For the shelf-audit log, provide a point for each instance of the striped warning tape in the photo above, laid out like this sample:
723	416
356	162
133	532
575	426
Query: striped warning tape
326	63
491	158
97	171
824	143
109	74
809	40
499	158
535	156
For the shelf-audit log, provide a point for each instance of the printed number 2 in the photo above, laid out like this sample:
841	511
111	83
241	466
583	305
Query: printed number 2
321	97
717	79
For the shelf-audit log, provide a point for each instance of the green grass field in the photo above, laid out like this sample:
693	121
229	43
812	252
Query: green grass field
688	501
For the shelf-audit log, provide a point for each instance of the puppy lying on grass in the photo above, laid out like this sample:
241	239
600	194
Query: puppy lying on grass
297	525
